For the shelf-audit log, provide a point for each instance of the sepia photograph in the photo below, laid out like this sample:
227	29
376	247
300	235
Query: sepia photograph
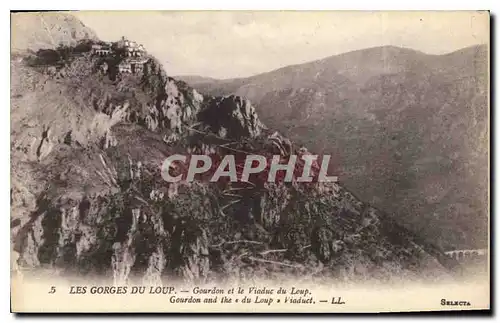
249	161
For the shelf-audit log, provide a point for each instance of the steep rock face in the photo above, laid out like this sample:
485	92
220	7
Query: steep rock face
232	117
37	30
88	197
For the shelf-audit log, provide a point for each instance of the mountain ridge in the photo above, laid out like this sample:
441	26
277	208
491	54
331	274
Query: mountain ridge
195	79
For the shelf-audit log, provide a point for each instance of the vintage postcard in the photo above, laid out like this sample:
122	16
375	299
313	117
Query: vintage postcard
250	161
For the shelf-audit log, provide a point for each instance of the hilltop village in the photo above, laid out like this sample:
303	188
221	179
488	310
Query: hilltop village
131	54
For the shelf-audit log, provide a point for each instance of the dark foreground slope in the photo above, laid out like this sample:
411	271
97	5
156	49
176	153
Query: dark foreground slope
88	199
410	130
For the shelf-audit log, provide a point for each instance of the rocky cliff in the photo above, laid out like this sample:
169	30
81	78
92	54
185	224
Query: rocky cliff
410	129
37	30
88	198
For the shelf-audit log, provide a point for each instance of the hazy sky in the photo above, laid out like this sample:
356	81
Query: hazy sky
225	44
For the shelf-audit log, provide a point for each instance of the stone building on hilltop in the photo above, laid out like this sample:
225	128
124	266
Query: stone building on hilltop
132	49
133	55
104	67
132	65
101	50
124	67
138	65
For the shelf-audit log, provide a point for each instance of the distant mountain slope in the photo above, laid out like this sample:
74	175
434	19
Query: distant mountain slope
38	30
409	130
87	196
195	79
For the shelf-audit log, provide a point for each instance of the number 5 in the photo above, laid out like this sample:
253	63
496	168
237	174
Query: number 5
52	290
